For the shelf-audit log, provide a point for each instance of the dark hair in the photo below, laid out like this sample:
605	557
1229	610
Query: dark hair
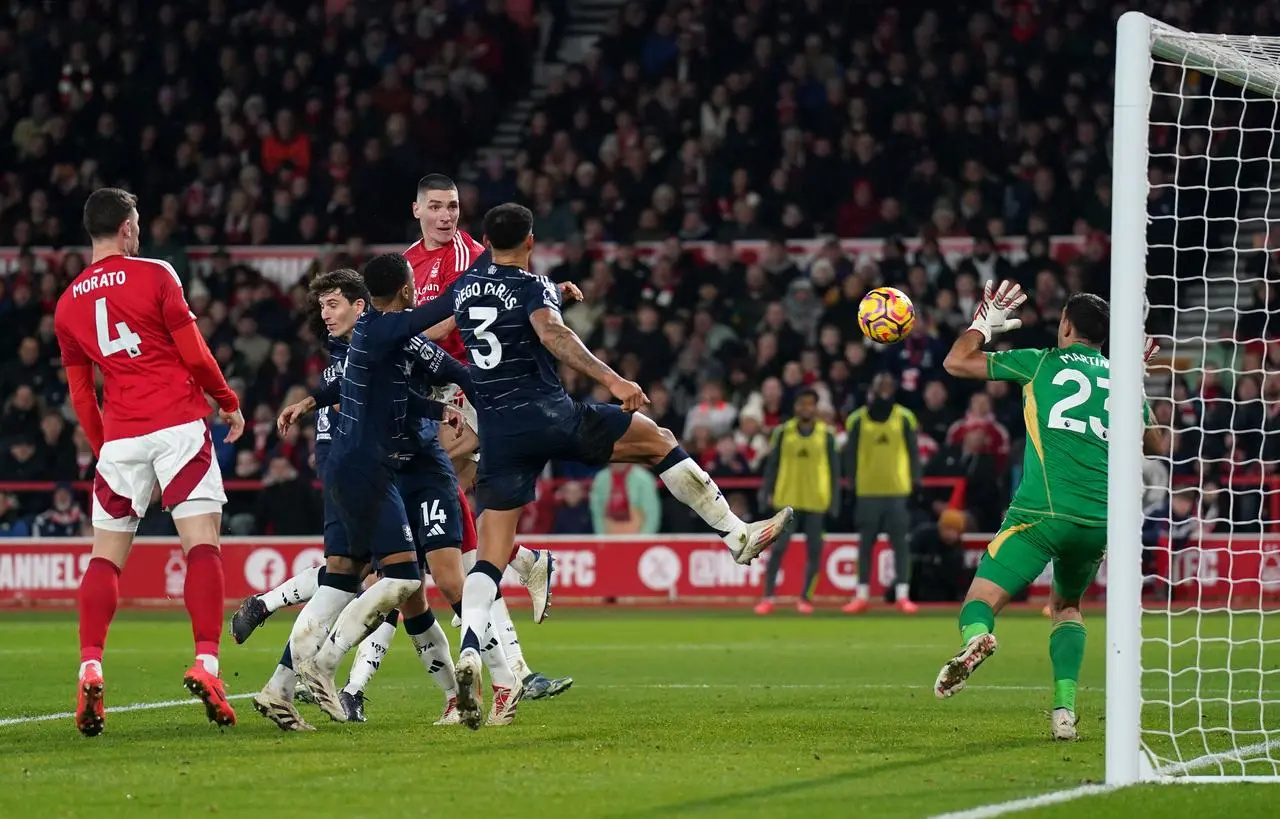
435	182
105	210
345	280
508	225
807	392
1090	317
384	275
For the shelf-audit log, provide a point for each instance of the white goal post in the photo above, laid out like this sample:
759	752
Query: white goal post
1193	668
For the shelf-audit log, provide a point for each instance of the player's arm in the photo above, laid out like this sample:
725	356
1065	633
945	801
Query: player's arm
966	359
771	463
444	328
195	354
1153	441
853	428
833	464
543	304
327	395
80	383
434	410
913	450
436	365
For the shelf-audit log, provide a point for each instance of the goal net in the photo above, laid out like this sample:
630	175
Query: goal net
1193	677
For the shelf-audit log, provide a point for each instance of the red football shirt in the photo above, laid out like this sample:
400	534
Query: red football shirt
120	314
435	270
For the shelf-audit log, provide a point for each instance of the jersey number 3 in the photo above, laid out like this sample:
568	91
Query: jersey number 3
1058	418
486	316
126	340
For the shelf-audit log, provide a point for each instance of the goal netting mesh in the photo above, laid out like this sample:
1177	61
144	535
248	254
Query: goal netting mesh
1211	624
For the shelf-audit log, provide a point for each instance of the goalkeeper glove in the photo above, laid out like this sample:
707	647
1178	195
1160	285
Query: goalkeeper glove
992	316
1149	350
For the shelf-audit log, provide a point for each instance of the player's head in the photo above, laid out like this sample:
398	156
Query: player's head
390	282
111	215
509	228
436	208
1086	319
807	404
342	297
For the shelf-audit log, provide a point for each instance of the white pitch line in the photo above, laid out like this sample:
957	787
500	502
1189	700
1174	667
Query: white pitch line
1027	803
139	706
1237	755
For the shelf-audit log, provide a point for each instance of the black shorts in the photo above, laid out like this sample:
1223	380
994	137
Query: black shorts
371	512
510	464
429	489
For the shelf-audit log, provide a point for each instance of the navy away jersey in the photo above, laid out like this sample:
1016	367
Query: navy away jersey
515	386
325	415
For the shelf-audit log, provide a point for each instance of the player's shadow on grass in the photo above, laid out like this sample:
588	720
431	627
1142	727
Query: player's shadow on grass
930	759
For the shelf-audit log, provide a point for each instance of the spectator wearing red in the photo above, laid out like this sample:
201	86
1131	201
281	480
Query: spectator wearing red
981	418
286	144
712	412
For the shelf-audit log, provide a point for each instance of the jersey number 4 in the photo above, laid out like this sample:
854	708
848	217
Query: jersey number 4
126	340
1058	418
486	316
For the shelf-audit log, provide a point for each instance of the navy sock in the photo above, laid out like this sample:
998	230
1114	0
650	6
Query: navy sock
485	567
470	641
348	583
402	571
286	659
320	575
457	608
394	617
419	624
672	458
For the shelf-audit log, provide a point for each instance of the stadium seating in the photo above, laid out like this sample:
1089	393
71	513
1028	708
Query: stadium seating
727	122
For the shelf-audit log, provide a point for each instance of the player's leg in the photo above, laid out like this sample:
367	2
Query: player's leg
635	438
122	491
1074	569
811	525
1013	560
256	608
868	519
191	489
776	553
897	527
275	700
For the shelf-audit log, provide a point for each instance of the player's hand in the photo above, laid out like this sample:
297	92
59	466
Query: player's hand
234	420
630	394
569	292
290	415
993	315
453	418
1149	350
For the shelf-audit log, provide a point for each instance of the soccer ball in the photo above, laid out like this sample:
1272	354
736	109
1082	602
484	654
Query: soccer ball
886	315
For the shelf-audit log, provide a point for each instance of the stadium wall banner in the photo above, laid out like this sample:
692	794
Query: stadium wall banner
285	265
686	569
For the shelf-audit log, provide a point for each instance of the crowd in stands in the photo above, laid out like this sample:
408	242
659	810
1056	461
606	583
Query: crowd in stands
690	121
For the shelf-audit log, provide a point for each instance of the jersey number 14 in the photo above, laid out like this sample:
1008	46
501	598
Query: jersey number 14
1058	418
126	340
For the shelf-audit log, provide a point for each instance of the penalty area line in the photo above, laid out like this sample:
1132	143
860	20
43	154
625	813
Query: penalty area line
1027	803
121	709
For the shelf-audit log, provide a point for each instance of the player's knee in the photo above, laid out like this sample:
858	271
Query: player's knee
336	564
1063	608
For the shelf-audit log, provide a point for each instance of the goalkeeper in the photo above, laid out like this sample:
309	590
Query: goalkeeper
1059	512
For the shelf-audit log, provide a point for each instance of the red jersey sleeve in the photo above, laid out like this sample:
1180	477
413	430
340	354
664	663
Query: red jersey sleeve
173	303
73	354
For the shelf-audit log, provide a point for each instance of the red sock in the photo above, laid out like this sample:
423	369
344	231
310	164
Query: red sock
99	593
203	593
469	538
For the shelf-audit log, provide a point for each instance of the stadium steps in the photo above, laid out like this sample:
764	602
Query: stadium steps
1211	310
588	21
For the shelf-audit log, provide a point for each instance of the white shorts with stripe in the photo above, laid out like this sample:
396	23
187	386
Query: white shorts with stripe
452	394
177	460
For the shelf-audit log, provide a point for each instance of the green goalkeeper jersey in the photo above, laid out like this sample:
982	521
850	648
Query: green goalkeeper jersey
1065	397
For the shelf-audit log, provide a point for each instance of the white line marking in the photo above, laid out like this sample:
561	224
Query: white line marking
1027	803
140	706
1244	755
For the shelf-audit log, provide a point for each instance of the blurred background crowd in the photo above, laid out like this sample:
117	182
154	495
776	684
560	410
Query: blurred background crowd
678	161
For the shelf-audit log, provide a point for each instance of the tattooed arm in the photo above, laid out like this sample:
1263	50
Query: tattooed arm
565	345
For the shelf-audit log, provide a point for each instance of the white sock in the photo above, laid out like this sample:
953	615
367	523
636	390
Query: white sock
523	563
360	618
693	487
296	590
495	659
369	656
87	664
209	662
864	591
313	622
478	593
282	683
434	654
505	630
902	591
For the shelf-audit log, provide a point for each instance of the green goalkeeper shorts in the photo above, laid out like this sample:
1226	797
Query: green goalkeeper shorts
1027	542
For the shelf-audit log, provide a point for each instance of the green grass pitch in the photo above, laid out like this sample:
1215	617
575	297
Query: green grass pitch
674	713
